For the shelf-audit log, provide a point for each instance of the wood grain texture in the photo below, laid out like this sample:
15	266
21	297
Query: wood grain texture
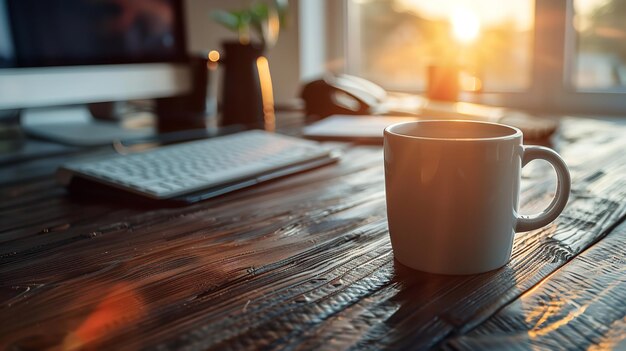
300	263
581	306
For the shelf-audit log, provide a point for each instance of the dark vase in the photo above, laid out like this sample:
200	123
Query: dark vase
242	102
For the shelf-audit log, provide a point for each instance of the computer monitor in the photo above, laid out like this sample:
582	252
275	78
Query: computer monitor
68	52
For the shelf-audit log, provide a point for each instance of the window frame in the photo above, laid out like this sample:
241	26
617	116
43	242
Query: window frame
551	88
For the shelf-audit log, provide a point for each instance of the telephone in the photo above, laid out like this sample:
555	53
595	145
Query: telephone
349	95
342	94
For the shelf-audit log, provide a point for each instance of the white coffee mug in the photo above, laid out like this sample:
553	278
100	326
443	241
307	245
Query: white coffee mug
452	192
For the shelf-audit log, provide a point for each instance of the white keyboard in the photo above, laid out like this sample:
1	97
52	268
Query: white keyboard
175	170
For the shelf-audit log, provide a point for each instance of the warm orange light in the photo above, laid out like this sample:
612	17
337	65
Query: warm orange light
119	308
267	93
465	26
272	28
214	56
470	83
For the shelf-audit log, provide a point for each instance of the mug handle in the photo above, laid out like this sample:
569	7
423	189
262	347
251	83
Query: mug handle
564	183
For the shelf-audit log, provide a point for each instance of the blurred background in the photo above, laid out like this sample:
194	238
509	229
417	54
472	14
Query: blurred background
557	55
543	57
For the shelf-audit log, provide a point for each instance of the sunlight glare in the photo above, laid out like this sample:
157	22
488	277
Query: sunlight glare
465	26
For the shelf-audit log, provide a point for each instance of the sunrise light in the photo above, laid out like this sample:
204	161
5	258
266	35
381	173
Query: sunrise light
465	26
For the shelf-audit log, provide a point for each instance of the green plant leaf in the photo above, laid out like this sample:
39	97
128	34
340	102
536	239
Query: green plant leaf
265	18
259	11
228	19
282	6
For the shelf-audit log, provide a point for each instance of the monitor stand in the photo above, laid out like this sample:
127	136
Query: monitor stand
74	125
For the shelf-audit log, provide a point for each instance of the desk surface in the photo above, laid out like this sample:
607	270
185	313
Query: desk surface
306	263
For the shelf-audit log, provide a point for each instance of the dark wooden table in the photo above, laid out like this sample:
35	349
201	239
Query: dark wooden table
306	263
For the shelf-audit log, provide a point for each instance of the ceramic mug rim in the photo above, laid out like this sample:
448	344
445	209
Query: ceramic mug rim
514	132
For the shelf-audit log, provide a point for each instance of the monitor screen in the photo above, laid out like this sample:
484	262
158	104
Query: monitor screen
62	52
47	33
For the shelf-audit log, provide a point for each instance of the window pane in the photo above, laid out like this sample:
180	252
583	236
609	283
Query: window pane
601	37
399	39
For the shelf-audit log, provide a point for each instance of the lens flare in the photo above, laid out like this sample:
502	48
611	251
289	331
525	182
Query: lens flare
465	26
214	56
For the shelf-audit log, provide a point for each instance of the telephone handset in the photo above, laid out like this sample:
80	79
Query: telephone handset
342	94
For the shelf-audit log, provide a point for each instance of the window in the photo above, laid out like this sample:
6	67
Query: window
550	56
601	44
491	40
